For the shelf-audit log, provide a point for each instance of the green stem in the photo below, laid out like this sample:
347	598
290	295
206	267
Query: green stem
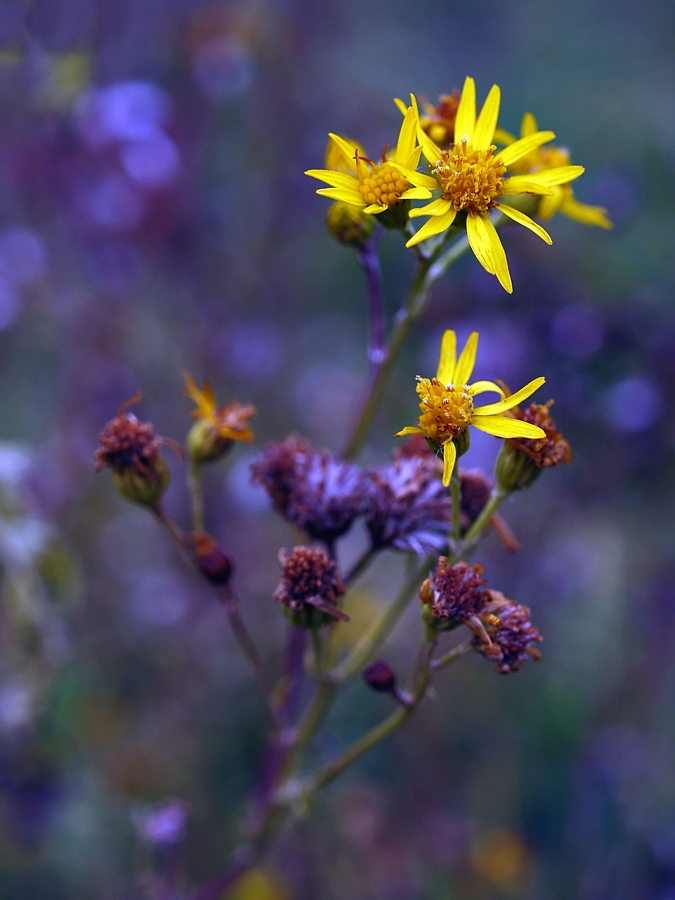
381	628
451	656
196	496
474	533
456	504
360	566
428	271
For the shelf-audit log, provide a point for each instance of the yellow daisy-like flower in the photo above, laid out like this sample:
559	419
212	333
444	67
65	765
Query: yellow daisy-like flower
471	176
216	426
447	408
375	187
562	199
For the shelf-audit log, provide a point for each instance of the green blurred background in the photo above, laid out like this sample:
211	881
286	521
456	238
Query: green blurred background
154	216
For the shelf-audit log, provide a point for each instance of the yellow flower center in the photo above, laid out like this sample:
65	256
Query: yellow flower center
471	179
381	183
551	157
445	409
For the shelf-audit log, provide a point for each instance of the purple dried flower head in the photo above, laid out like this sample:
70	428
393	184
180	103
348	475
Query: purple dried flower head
309	588
452	594
310	488
408	507
509	637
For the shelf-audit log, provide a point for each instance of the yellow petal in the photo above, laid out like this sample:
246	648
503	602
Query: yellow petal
434	225
333	178
480	243
416	193
465	121
413	160
522	219
449	457
552	177
375	208
480	387
409	429
403	109
525	184
350	197
504	137
348	149
487	120
528	126
448	357
525	145
417	178
493	409
429	148
498	255
506	427
406	137
549	205
437	207
588	215
467	360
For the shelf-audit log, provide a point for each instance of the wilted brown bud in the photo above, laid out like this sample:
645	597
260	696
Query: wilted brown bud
380	676
309	588
475	493
521	460
209	558
131	450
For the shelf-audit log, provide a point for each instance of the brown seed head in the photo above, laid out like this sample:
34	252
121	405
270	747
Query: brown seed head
509	637
126	443
309	588
380	676
454	593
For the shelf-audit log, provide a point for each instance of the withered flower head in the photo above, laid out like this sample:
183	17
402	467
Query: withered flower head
216	427
209	558
408	507
521	459
131	450
439	121
312	489
452	595
509	636
309	588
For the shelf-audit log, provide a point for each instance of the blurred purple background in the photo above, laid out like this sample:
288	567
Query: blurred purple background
154	216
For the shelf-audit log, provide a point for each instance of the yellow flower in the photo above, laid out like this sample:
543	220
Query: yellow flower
216	426
348	224
447	408
563	199
374	187
471	178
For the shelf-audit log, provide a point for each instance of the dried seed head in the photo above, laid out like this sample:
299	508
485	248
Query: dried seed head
131	450
510	636
521	461
452	595
312	489
309	588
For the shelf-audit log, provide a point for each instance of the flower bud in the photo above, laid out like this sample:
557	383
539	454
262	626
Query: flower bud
138	487
380	676
514	471
210	559
205	443
348	224
215	427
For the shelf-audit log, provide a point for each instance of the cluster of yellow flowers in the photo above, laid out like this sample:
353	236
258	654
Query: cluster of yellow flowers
466	176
